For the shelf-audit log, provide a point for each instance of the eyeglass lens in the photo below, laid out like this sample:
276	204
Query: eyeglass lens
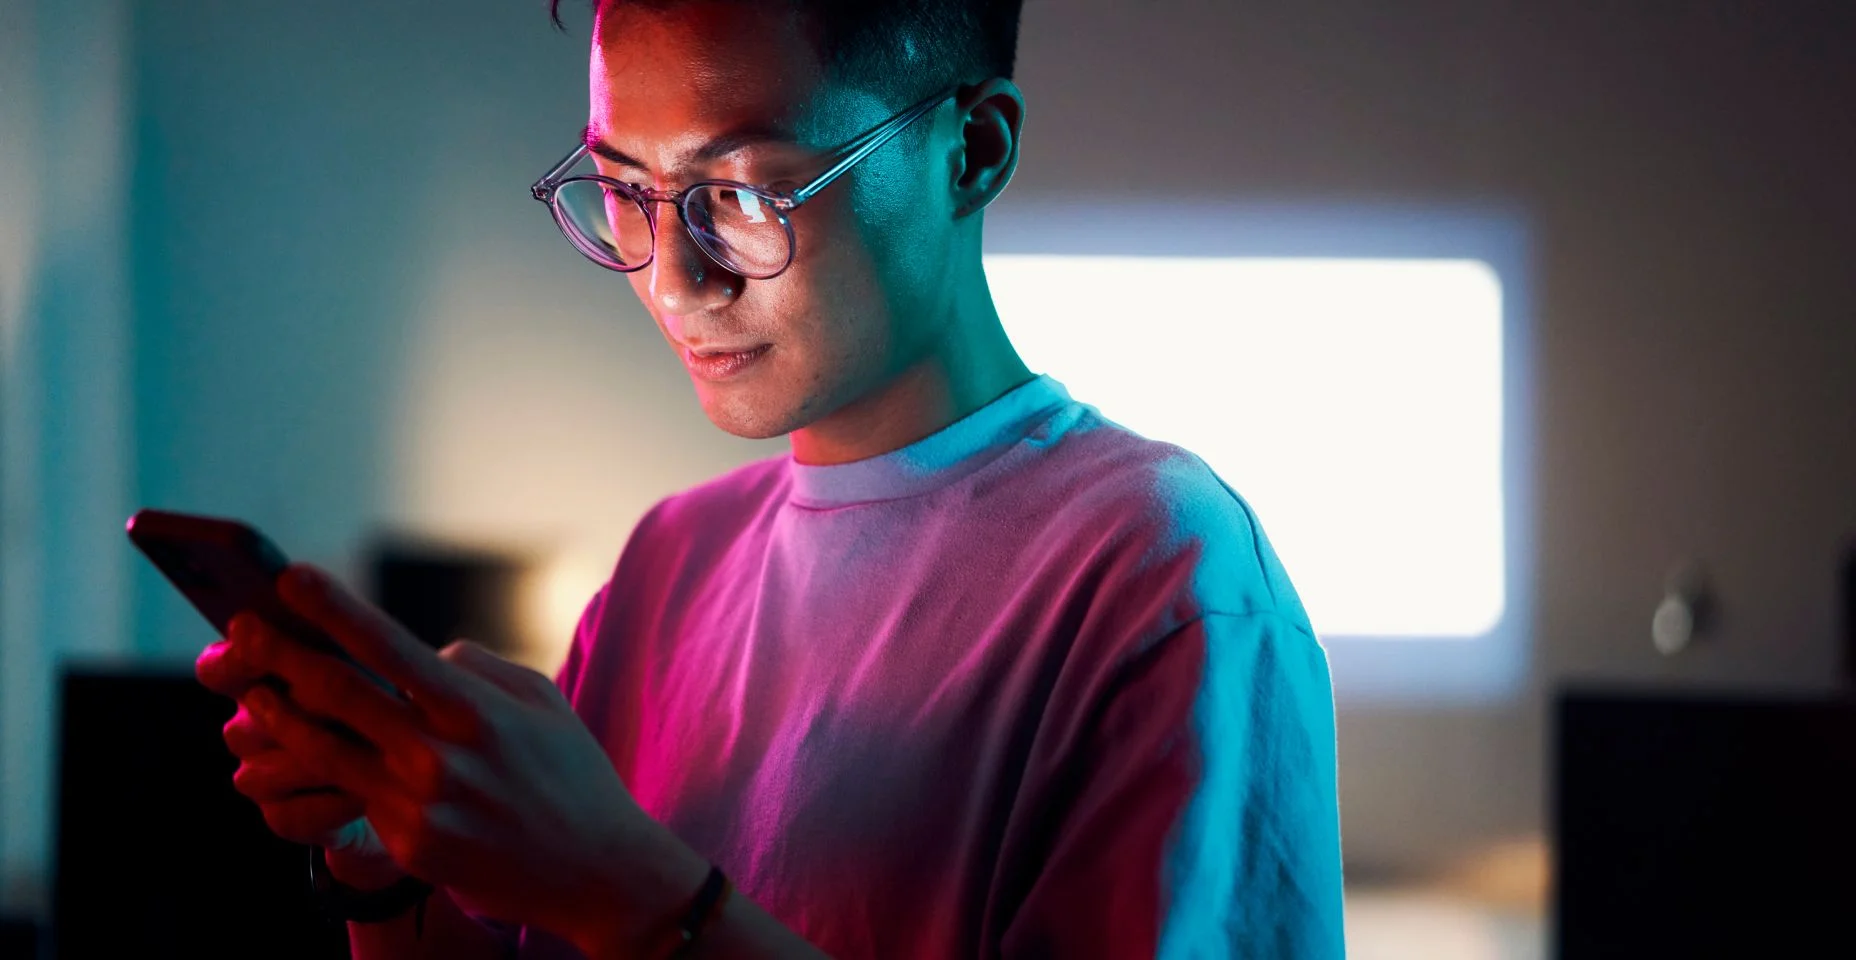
739	229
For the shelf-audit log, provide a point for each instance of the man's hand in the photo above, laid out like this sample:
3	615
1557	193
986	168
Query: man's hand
297	805
478	778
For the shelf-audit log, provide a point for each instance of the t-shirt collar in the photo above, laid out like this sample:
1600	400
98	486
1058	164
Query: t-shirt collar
936	460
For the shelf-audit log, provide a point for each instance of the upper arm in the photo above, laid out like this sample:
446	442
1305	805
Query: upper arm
1200	816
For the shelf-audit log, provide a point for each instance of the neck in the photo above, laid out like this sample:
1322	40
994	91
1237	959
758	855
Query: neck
970	365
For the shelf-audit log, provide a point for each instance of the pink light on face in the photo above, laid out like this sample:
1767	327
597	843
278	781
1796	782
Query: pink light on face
665	85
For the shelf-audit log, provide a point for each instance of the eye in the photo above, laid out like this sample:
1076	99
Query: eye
607	173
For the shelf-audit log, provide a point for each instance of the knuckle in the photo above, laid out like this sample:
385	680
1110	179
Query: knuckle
269	776
234	732
206	665
242	736
222	669
266	778
246	780
430	775
253	769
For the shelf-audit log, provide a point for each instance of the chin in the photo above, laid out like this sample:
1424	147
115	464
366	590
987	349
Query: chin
751	414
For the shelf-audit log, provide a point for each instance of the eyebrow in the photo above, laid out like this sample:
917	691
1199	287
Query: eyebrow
719	146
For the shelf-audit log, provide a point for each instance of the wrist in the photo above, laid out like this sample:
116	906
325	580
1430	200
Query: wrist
635	909
341	901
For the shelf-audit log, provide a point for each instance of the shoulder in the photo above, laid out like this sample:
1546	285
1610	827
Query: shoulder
1161	514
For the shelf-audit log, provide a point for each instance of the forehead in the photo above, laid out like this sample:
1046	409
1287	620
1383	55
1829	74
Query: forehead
698	67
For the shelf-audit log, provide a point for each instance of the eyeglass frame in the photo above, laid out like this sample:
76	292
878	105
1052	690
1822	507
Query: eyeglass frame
783	202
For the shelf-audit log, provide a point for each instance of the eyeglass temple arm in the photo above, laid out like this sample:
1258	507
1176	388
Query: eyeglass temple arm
871	142
543	189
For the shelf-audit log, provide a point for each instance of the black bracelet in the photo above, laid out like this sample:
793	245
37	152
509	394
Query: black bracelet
714	887
340	901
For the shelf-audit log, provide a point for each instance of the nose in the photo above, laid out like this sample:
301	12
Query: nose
684	279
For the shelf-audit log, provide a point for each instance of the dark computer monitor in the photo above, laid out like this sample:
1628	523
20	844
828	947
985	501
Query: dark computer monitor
440	592
157	855
1688	825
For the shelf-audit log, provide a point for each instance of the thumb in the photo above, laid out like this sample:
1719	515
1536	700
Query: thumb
512	678
355	837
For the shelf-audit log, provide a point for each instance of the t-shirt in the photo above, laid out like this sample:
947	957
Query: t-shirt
1034	686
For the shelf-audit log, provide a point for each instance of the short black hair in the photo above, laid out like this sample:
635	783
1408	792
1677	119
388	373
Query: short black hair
900	48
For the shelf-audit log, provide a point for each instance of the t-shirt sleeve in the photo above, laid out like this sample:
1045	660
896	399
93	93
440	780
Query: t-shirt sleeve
1202	819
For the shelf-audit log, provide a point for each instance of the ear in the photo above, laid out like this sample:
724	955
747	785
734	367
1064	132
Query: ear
990	114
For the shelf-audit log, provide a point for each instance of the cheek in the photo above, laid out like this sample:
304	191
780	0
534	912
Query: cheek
836	299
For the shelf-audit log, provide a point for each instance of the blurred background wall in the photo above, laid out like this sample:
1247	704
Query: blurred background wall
278	261
67	453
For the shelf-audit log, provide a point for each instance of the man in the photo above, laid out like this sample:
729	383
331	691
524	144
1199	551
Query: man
972	672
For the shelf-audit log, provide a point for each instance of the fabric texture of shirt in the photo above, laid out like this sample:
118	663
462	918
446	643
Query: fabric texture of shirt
1034	686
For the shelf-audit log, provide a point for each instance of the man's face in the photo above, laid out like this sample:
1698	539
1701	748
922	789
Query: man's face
871	285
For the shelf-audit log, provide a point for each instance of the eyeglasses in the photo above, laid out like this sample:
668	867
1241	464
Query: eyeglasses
740	226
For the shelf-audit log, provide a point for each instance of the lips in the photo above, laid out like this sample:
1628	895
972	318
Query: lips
716	364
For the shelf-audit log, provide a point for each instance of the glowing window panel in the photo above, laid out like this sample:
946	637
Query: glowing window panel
1355	403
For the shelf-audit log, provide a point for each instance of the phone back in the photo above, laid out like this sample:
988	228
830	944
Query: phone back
221	566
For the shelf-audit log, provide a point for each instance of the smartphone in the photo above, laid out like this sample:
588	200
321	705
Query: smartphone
222	567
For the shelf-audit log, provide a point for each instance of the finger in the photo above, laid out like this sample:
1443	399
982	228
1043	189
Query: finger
324	754
274	776
244	737
512	678
356	836
222	667
379	643
324	686
218	669
314	819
